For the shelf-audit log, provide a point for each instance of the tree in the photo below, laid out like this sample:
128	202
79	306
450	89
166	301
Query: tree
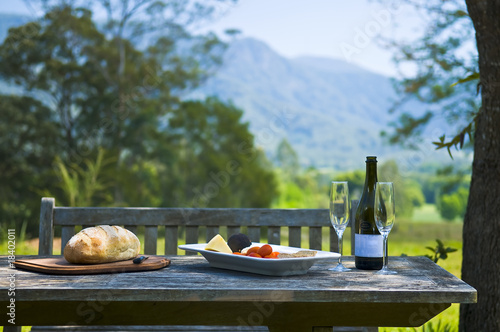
218	165
453	205
450	206
408	193
287	159
442	57
29	141
481	257
84	186
66	65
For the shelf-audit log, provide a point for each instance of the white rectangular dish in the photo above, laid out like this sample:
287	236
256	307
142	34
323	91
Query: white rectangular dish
265	266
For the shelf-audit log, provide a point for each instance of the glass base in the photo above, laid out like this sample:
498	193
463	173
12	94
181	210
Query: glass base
339	268
385	271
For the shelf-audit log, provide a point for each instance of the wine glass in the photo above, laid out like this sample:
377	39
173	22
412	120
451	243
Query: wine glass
339	215
385	216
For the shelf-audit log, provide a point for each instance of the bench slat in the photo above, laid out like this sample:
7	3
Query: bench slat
132	228
91	216
274	235
66	233
46	230
254	233
171	236
150	240
191	237
232	230
315	238
294	236
354	207
212	218
211	232
334	243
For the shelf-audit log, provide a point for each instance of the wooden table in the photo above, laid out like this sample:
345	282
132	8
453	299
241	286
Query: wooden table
193	293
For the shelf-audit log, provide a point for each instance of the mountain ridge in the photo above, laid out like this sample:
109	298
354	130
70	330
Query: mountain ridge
336	110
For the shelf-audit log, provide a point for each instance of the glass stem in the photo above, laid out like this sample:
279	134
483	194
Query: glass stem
385	252
339	237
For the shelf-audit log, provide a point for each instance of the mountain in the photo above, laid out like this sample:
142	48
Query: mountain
332	112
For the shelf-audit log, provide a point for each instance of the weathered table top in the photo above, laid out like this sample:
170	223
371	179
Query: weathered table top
189	291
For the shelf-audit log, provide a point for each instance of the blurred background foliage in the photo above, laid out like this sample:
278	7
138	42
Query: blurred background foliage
446	187
101	120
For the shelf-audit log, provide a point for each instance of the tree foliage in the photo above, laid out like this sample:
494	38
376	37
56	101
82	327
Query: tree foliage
287	158
453	205
408	193
444	77
101	120
28	145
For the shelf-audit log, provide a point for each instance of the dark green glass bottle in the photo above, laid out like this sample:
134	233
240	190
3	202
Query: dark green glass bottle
368	242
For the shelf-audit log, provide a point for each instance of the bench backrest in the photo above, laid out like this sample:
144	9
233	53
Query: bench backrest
171	219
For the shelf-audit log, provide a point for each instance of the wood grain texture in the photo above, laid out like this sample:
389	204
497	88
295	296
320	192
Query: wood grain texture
190	278
274	234
46	230
315	238
171	236
293	316
66	233
90	216
150	240
132	228
10	328
354	207
211	232
254	233
231	230
334	243
294	236
160	328
59	266
191	237
406	292
193	293
191	218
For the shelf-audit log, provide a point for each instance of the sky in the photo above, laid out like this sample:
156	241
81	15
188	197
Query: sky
348	30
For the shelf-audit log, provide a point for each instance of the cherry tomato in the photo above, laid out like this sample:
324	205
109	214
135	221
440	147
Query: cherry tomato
274	254
265	250
252	249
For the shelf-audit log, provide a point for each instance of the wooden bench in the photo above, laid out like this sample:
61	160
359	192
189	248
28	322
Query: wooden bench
193	220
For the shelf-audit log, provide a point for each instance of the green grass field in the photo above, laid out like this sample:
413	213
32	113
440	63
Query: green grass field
410	237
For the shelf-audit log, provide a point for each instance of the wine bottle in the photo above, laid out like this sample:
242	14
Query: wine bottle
368	242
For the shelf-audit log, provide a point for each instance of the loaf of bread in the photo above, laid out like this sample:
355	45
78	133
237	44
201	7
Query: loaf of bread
102	244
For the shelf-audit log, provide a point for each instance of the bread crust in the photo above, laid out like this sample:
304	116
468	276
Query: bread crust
102	244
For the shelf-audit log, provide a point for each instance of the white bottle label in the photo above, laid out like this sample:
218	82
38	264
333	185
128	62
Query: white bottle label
368	245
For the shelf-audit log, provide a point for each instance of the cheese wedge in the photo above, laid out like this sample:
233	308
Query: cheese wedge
217	243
